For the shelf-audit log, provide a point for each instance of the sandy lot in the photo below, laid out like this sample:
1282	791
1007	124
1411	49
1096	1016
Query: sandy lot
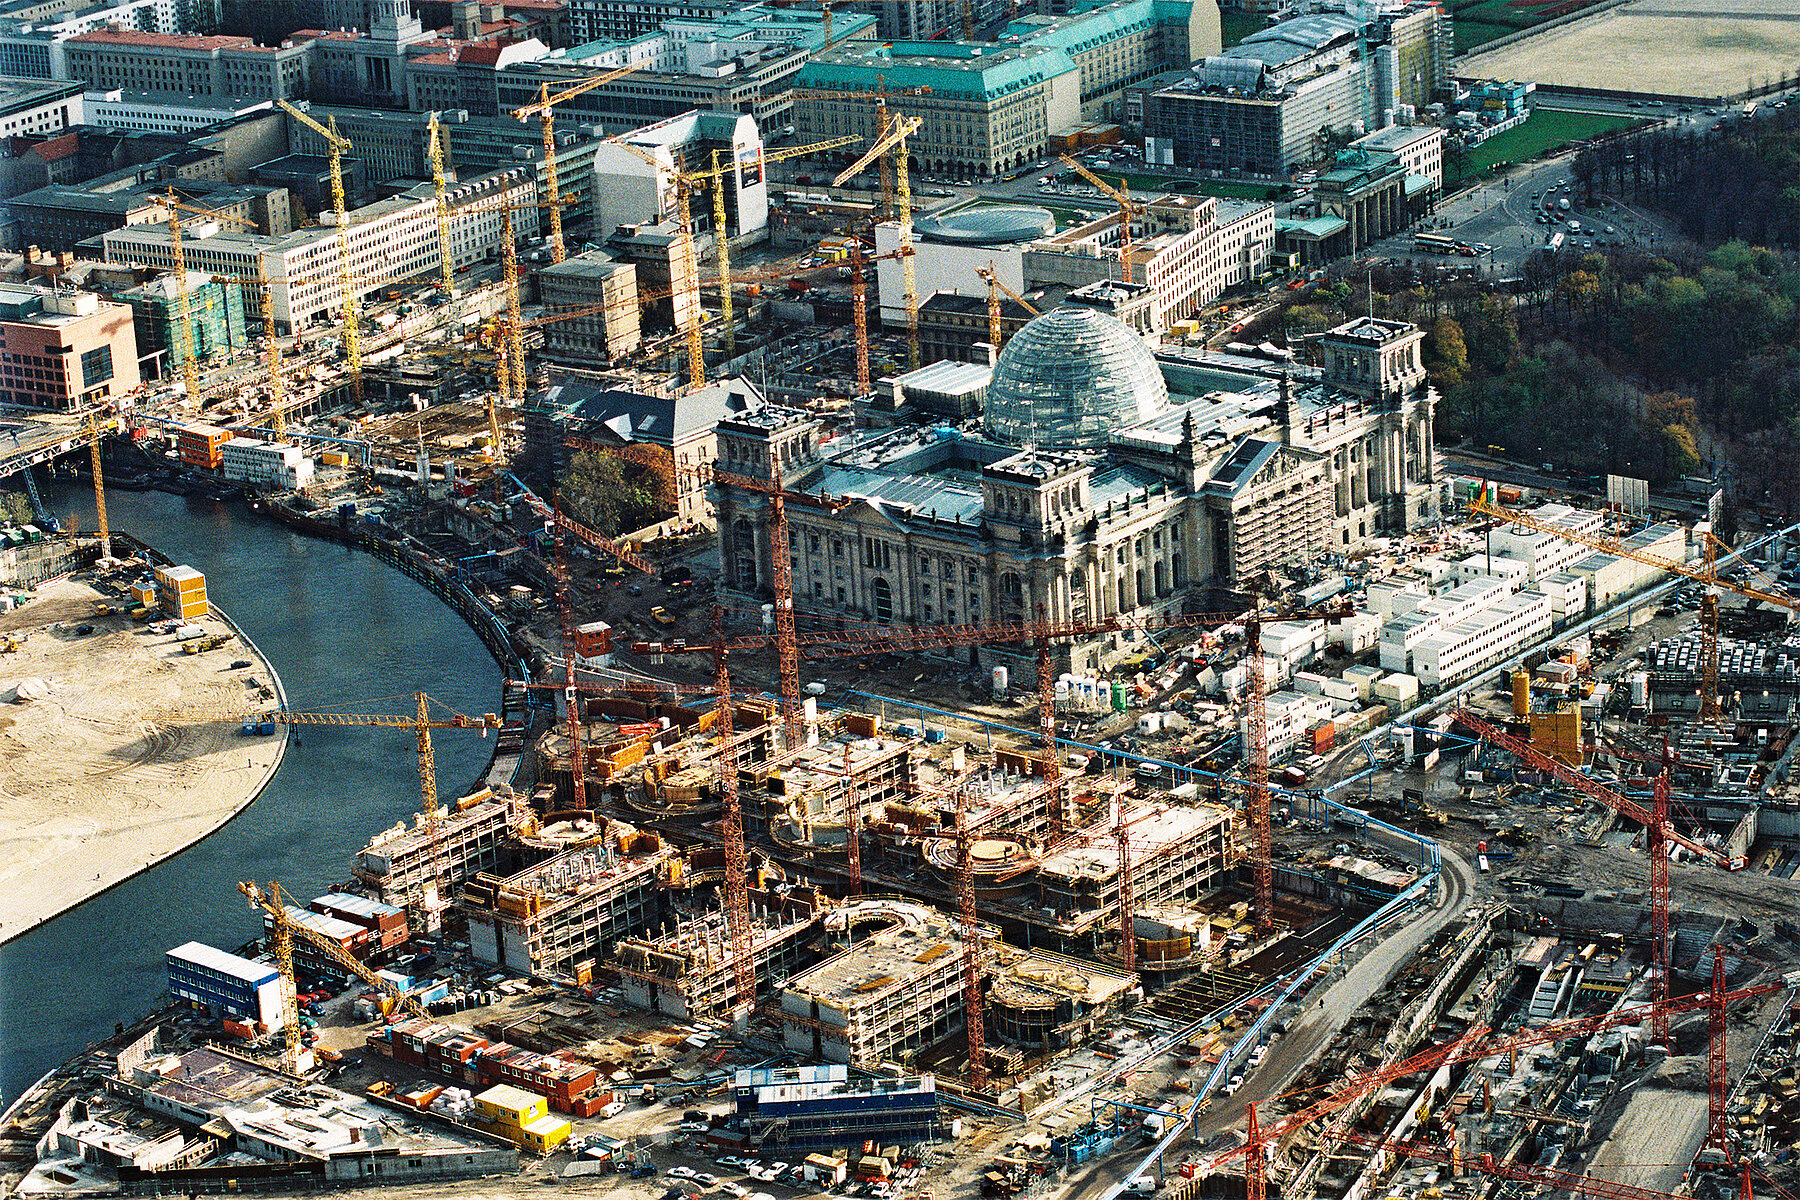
123	751
1701	48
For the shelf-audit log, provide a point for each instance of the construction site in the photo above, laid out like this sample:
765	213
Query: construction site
1456	863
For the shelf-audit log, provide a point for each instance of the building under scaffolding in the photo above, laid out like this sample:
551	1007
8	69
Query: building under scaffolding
897	990
396	863
557	918
894	992
686	970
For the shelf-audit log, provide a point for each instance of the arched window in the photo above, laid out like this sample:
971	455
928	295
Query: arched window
884	600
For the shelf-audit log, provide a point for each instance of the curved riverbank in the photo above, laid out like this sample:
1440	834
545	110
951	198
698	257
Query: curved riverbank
124	747
343	630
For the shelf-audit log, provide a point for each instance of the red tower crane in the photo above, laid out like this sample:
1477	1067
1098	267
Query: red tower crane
737	896
781	580
1473	1045
571	698
974	1025
1040	633
1660	837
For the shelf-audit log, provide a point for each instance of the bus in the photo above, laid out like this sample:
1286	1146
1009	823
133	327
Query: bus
1433	243
1555	243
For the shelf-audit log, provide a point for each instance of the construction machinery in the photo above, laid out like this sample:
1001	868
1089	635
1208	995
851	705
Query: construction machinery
421	722
545	111
184	331
996	333
737	896
282	933
99	488
435	149
1706	573
687	308
336	145
1128	208
1472	1046
892	141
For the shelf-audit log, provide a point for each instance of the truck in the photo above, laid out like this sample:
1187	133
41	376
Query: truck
1143	1185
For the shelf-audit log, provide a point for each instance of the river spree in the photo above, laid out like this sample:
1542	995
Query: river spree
344	631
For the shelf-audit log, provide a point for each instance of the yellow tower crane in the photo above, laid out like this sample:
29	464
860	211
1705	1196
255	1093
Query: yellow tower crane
99	488
421	722
282	932
685	274
545	111
899	128
722	169
995	287
337	145
1128	208
436	150
184	331
688	313
510	377
1706	572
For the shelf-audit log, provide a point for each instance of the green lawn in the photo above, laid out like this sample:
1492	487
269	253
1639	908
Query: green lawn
1235	26
1471	33
1546	129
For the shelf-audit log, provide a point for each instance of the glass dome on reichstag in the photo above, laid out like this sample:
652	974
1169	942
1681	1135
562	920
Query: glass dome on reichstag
1070	377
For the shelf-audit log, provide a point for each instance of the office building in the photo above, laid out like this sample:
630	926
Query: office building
521	1118
165	112
993	106
631	191
567	910
61	215
1259	106
191	64
591	281
390	240
397	864
1185	250
63	350
818	1107
38	106
225	985
214	320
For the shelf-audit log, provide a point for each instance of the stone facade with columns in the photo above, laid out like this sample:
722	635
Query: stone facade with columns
928	526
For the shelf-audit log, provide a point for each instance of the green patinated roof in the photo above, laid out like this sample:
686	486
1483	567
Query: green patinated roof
949	69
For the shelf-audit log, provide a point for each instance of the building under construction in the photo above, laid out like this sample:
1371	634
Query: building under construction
556	918
896	991
685	971
396	864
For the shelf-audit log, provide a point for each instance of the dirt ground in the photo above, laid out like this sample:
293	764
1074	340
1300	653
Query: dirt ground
1700	48
120	749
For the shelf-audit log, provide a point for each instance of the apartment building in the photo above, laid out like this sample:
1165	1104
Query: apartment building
895	991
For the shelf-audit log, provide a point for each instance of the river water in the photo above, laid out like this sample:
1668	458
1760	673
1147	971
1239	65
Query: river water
341	629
